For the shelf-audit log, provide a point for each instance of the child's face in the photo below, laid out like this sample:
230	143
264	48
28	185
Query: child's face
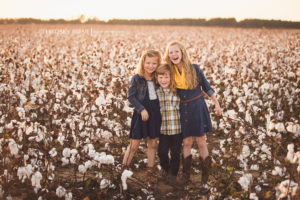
164	80
150	64
175	54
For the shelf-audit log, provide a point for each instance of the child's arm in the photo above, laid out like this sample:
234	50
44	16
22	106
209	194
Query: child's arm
217	105
132	95
208	90
203	81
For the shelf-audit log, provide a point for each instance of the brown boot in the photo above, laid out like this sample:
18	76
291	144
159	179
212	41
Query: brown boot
151	176
205	165
186	169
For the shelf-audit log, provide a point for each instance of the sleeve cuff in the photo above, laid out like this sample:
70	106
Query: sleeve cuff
140	109
210	92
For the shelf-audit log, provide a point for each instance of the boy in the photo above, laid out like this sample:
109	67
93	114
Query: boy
170	138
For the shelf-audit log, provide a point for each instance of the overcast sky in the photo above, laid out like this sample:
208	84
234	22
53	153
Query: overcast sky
129	9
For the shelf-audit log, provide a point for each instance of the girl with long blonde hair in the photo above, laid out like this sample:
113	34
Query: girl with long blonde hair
195	118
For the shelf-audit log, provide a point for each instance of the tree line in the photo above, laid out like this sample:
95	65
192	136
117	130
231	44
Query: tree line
222	22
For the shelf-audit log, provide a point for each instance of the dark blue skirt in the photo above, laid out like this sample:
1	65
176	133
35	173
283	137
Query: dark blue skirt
194	115
150	128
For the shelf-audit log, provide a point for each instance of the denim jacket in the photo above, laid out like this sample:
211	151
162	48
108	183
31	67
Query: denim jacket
137	92
203	81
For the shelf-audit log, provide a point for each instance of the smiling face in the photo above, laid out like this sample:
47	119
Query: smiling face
150	65
164	80
175	54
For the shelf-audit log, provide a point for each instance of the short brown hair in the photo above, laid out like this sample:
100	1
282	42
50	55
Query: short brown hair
165	68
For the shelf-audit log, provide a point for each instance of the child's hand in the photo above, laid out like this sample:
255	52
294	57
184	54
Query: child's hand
145	115
218	110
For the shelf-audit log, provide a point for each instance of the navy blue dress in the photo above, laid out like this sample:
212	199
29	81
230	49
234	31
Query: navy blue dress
194	115
151	128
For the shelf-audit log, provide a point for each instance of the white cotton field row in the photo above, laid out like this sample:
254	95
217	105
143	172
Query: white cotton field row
64	90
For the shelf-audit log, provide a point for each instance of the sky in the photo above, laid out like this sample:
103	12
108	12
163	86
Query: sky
140	9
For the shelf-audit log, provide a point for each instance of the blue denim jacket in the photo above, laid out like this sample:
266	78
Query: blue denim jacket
137	92
203	81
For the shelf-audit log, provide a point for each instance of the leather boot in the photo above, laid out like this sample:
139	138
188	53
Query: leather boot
205	165
151	176
186	169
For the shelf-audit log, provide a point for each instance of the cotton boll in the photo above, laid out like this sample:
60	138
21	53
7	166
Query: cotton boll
280	127
68	196
277	171
110	159
61	138
21	173
125	175
248	117
74	152
82	169
253	196
286	187
290	154
66	152
231	114
254	167
257	188
88	164
21	112
245	181
237	134
266	149
22	97
53	152
106	135
13	147
28	170
60	191
36	179
194	152
104	183
293	128
92	153
245	151
100	100
65	161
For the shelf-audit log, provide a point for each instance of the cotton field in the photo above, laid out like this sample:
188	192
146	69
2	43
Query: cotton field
64	114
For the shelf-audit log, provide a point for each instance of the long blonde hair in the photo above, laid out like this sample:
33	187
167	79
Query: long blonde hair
148	53
190	72
166	68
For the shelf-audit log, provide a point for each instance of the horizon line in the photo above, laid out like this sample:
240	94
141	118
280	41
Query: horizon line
170	18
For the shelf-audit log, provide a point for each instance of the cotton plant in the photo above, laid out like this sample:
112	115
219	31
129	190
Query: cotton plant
81	71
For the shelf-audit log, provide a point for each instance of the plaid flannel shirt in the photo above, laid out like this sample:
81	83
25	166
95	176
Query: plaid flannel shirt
169	109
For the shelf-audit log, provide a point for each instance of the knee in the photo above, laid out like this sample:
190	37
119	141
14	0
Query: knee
133	148
201	142
187	143
152	144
